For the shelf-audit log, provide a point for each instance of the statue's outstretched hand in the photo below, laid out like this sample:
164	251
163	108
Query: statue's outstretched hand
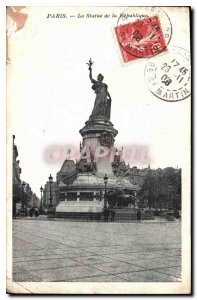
90	63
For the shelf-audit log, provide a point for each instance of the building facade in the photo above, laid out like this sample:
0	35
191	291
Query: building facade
137	176
46	201
16	180
22	195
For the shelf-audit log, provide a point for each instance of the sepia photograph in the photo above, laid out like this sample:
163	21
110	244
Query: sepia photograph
98	150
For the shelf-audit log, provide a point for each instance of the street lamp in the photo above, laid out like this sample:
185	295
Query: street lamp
50	210
170	213
23	195
134	193
50	196
41	190
105	196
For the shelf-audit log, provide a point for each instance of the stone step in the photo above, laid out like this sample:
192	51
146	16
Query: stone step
78	215
99	216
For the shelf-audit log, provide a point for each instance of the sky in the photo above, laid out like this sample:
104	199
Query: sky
49	94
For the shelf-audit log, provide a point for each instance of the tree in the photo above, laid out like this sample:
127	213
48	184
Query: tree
155	187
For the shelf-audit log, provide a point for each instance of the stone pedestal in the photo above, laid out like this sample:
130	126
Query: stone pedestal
98	138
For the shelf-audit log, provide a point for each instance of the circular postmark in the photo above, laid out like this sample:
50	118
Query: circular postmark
168	76
143	31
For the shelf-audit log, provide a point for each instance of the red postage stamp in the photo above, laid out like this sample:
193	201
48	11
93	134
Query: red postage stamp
140	39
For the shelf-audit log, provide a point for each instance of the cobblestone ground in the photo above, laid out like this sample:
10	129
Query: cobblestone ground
51	250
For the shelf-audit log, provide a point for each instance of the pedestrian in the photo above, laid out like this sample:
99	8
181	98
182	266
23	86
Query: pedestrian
139	215
36	214
91	216
14	210
112	215
31	212
106	214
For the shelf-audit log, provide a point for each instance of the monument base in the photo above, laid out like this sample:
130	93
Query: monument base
78	207
128	214
76	210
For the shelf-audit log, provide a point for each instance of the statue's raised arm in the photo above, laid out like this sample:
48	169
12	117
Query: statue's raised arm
90	63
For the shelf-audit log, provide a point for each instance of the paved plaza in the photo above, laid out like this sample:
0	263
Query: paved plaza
59	250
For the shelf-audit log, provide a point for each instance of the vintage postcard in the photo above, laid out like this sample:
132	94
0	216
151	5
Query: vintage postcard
98	150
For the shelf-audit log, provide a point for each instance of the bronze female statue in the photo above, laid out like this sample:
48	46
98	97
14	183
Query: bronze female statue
102	104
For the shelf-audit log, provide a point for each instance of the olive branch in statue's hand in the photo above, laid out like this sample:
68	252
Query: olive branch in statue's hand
90	63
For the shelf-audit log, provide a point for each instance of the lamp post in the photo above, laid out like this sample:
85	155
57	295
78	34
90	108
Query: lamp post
23	195
41	190
170	213
50	195
135	200
50	210
105	196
